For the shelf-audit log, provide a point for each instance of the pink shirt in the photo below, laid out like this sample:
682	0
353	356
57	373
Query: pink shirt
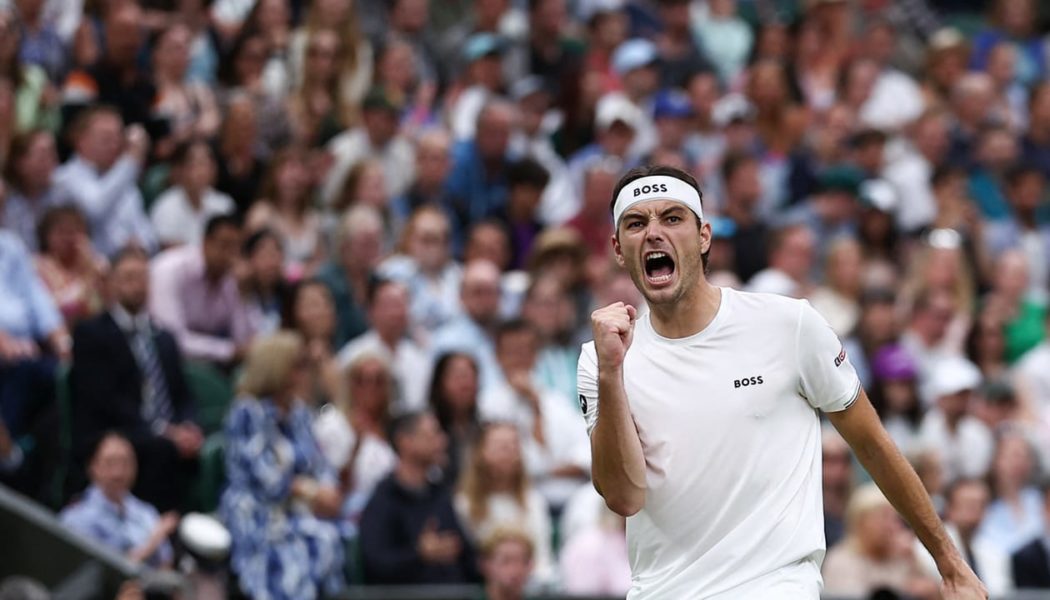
594	563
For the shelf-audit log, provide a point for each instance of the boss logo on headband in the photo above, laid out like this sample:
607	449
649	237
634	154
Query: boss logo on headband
650	189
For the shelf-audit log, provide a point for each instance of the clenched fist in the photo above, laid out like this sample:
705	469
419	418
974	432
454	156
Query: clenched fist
613	328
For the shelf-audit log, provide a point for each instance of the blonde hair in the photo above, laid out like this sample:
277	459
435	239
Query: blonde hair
862	501
345	401
506	534
270	363
476	483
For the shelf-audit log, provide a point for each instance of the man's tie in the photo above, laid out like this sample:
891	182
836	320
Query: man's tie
156	403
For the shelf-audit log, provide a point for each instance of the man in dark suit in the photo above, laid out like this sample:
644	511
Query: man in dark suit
127	376
1031	564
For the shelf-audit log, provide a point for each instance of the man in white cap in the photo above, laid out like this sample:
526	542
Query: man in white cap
703	419
963	441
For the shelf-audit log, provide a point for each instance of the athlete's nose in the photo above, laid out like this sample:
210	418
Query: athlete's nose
654	231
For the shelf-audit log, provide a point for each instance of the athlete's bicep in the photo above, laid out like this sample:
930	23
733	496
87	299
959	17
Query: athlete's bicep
587	385
826	378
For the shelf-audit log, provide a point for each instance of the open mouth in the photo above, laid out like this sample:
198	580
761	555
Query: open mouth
659	267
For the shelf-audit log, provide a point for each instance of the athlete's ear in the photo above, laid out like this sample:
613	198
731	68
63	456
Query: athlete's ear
615	240
705	237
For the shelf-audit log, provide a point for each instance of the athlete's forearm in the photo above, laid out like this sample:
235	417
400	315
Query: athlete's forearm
618	462
875	450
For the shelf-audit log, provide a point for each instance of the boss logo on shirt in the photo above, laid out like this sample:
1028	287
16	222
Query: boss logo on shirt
841	357
650	189
747	381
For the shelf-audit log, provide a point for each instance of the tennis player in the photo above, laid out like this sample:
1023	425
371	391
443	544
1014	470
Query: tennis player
703	419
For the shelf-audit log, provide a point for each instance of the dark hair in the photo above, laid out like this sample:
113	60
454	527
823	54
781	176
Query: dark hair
52	217
668	171
1016	173
942	173
252	243
437	400
881	405
85	116
291	298
181	155
512	326
19	147
527	172
402	424
106	436
376	284
129	252
733	162
957	484
219	221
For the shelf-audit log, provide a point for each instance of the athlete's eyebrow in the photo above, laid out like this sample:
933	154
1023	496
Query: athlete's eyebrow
677	208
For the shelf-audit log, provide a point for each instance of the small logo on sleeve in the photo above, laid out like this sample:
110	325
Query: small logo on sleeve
841	358
583	404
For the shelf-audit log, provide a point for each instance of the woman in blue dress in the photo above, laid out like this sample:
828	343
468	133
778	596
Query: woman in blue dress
280	490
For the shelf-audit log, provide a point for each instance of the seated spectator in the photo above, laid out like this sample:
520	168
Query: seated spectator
792	250
506	564
349	272
67	264
592	221
424	264
495	493
526	180
1031	562
927	335
837	461
1015	514
111	515
186	105
194	294
410	526
930	469
240	166
285	207
180	212
279	486
432	167
549	309
261	281
127	376
31	336
1011	301
352	433
838	300
594	560
1023	229
311	313
30	192
471	332
454	401
388	313
876	552
895	397
556	449
100	179
965	444
1032	376
967	501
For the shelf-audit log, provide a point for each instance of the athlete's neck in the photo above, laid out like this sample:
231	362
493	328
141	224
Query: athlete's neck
688	316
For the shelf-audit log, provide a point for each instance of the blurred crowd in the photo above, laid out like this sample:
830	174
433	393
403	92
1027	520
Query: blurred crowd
384	224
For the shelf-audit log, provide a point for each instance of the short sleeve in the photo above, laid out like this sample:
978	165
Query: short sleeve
587	385
826	378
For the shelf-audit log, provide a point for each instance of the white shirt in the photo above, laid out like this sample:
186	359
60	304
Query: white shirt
353	146
993	565
728	422
375	459
176	221
411	366
774	281
966	453
910	174
503	511
895	101
1033	376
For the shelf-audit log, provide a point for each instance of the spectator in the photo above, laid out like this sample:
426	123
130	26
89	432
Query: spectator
556	451
454	401
1029	563
1025	188
425	266
506	564
965	444
743	190
1012	22
31	336
876	552
352	432
967	501
377	137
261	281
551	51
180	213
41	42
911	170
279	485
526	180
238	150
100	179
488	241
895	396
472	331
35	107
388	337
591	222
433	163
594	559
29	178
195	295
109	514
1015	514
495	493
548	308
533	140
837	484
350	270
316	107
481	81
187	108
995	154
926	336
946	61
838	300
410	526
1032	376
791	256
127	376
986	345
67	264
1035	140
243	76
972	97
310	312
1012	303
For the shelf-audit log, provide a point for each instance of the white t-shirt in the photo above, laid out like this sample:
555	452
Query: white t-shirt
176	221
728	423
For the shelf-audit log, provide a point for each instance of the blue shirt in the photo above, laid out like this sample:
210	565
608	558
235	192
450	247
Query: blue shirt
474	192
464	335
26	308
123	527
1008	531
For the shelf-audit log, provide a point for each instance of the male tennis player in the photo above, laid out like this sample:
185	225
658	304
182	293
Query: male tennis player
704	425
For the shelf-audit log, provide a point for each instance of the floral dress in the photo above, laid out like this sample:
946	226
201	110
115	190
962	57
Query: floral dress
280	549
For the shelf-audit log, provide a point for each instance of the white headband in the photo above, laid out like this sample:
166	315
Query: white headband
657	187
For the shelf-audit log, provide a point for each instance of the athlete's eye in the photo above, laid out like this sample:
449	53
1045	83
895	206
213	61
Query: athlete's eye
634	224
674	219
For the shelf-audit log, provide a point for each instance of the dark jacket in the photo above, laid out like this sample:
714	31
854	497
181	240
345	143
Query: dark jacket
390	528
1031	565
